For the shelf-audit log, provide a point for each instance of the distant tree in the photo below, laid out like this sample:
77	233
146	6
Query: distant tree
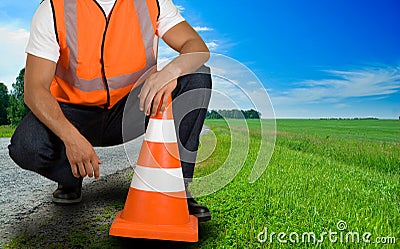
213	115
235	114
252	114
17	108
4	103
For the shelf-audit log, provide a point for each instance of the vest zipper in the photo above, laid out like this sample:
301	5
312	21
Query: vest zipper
103	71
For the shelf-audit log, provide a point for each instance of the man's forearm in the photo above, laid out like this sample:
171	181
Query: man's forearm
193	55
47	110
39	74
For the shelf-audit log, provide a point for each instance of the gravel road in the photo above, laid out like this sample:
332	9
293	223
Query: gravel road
22	191
25	197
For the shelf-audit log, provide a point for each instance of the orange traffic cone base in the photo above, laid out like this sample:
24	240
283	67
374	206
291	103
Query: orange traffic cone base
186	232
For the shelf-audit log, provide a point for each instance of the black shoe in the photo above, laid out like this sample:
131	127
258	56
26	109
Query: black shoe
67	196
201	212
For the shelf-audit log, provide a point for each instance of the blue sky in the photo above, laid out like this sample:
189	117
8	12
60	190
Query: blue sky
315	58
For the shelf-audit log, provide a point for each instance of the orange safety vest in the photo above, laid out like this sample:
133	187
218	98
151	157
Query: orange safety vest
101	58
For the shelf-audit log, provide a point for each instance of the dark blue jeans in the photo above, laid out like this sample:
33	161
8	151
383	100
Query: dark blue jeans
35	147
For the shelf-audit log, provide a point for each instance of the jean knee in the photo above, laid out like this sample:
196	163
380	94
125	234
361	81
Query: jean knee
32	156
199	80
20	153
32	147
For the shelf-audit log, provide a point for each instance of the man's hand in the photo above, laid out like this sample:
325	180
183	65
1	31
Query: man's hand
154	92
82	157
39	74
193	54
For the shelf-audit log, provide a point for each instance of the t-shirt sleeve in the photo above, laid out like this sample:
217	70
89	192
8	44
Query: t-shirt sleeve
42	39
169	17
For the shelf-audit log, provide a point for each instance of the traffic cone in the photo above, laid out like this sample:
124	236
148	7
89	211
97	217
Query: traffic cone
156	205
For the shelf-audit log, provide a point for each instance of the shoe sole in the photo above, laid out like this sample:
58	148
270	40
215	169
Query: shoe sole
66	202
203	217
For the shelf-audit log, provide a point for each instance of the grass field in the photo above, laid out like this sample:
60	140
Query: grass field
6	131
322	172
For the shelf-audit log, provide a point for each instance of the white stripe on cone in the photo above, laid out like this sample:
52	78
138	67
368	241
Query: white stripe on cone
161	131
158	179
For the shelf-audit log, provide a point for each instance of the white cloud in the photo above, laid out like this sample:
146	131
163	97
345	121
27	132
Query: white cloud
252	83
180	8
368	82
340	106
12	51
212	46
202	29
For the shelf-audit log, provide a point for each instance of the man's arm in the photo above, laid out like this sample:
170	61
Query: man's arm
39	74
193	54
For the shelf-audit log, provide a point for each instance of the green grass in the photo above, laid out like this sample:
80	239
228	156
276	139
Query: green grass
6	131
358	130
321	172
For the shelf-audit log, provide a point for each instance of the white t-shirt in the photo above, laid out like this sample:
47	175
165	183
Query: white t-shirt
43	42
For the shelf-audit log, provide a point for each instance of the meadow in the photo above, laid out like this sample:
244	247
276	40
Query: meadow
325	176
6	131
322	172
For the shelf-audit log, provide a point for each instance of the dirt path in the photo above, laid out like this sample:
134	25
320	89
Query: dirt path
24	193
26	208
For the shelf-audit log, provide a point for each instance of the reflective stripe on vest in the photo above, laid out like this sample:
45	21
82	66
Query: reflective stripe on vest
69	75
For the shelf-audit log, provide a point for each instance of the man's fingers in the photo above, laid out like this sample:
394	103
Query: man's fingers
82	170
74	169
167	91
148	101
95	164
96	169
156	103
146	97
88	168
144	93
142	97
165	101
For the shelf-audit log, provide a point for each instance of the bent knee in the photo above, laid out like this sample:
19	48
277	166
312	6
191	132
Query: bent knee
31	151
31	156
200	79
19	153
22	151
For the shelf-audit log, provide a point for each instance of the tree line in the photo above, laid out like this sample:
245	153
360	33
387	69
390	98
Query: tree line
12	105
13	108
235	114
